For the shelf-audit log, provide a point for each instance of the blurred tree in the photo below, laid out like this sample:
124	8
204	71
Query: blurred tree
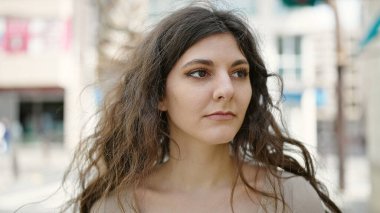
119	29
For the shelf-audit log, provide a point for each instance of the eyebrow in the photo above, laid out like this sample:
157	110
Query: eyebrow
210	63
199	61
239	62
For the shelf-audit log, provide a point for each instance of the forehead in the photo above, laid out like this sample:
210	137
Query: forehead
218	47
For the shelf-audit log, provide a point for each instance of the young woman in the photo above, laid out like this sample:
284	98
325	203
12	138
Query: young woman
190	129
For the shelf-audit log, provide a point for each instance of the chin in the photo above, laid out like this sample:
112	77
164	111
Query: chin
221	138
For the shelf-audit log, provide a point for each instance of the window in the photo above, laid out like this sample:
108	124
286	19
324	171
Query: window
289	50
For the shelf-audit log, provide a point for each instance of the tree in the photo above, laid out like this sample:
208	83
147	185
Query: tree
119	29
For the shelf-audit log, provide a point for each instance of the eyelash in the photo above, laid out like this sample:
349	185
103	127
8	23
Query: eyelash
192	72
244	72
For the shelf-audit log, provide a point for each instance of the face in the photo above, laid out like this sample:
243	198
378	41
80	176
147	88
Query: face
208	91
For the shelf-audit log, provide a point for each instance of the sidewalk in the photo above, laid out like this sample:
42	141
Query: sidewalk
355	197
39	179
41	176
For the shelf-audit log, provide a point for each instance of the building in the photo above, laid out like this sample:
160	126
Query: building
42	71
368	61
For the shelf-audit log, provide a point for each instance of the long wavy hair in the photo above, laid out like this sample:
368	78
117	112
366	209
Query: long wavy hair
131	137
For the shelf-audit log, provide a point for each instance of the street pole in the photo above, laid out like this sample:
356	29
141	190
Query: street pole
341	65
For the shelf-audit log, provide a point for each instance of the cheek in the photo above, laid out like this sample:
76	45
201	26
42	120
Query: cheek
245	94
183	110
185	94
249	94
186	100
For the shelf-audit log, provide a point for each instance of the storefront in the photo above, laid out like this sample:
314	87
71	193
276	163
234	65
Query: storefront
38	112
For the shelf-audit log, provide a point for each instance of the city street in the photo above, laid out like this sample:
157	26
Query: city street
73	68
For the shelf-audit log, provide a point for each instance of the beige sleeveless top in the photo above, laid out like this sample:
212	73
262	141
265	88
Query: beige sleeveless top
299	196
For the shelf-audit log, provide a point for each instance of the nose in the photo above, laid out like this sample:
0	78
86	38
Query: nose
224	89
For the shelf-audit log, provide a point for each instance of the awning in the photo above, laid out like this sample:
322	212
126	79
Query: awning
371	34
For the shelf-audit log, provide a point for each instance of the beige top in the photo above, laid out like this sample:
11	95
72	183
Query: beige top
299	196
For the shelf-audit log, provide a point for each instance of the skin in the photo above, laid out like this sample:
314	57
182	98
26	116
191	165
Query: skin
210	77
205	80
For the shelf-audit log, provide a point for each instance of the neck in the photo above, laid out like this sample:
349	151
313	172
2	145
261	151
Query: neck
194	166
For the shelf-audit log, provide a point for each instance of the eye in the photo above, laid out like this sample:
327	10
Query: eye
199	73
241	73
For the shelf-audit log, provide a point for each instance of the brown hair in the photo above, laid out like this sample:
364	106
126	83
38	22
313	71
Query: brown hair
131	137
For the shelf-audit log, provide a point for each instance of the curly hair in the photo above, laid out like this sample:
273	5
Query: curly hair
131	137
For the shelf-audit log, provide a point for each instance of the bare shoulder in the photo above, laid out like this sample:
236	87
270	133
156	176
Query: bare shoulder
115	202
299	194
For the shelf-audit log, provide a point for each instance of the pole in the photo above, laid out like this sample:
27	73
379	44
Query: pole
340	128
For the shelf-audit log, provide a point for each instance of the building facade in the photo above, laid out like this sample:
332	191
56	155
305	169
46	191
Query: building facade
368	61
41	70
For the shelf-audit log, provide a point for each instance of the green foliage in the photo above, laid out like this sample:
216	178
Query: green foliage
298	3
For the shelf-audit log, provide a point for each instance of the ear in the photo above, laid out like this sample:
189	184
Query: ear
162	105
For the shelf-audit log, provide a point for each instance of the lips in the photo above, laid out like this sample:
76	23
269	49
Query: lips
221	116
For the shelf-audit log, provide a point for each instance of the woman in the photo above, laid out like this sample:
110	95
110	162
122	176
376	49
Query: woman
190	129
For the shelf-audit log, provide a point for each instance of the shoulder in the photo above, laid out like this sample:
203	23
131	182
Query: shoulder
112	203
299	194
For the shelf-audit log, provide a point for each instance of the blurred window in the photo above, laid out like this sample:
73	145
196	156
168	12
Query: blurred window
290	51
16	35
34	36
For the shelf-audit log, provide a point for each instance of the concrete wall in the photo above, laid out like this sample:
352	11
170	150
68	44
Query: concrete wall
369	64
32	71
33	8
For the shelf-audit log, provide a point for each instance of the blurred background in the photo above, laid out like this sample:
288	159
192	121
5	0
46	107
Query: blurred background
58	57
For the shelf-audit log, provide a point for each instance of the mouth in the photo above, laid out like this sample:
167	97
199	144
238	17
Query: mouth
220	116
